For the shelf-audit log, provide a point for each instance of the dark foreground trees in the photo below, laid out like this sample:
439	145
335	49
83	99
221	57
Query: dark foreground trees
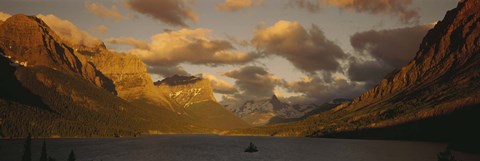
27	151
71	156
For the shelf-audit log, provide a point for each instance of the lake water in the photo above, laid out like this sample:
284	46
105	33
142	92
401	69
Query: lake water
222	148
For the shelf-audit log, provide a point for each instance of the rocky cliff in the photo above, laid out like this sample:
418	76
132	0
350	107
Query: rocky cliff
28	41
129	76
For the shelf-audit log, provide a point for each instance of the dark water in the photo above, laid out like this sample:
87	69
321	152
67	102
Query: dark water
221	148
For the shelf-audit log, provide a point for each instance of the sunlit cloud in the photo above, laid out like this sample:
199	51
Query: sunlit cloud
4	16
104	12
235	5
193	46
139	44
219	85
69	32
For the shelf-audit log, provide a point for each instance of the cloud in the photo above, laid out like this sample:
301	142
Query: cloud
194	46
235	5
397	8
173	12
139	44
390	50
254	82
101	29
69	32
167	71
309	51
314	89
370	72
395	47
4	16
310	6
104	12
220	86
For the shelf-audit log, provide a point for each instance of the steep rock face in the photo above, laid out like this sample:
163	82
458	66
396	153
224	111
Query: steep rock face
129	75
43	48
261	112
183	91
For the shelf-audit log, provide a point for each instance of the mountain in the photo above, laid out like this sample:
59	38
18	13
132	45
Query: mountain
193	97
435	97
29	41
129	76
314	109
261	112
186	90
51	89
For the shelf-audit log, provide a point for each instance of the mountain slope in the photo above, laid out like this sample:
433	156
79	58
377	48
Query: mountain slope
441	81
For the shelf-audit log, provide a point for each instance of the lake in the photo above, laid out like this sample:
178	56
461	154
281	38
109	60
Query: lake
229	148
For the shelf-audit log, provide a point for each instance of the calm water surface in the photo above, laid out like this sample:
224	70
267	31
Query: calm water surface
221	148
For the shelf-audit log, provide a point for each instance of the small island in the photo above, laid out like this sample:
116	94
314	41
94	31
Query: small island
251	148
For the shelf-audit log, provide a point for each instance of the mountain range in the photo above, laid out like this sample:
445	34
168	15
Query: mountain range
273	110
50	88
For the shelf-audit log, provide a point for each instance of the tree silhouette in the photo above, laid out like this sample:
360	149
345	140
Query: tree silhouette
71	157
27	151
43	156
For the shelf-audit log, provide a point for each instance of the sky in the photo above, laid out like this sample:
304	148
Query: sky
304	51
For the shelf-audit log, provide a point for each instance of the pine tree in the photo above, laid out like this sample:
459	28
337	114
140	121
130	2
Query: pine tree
43	156
27	151
71	157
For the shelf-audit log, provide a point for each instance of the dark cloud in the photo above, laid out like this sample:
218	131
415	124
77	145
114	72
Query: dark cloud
308	51
390	49
397	8
370	72
316	90
395	47
168	71
254	82
173	12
